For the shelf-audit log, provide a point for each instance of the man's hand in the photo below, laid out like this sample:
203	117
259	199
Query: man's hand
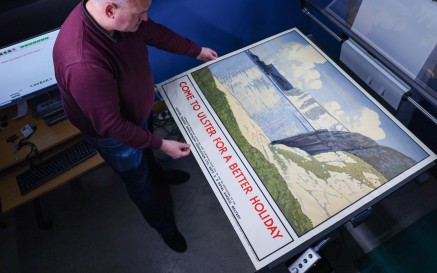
175	149
207	54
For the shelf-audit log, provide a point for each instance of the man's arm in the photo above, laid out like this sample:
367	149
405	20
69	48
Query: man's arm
166	39
161	37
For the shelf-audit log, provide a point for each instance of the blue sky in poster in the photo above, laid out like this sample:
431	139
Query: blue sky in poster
276	116
307	70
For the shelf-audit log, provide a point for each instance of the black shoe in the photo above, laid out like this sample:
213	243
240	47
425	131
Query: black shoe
174	177
176	241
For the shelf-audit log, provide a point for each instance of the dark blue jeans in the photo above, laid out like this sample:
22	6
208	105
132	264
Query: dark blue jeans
135	167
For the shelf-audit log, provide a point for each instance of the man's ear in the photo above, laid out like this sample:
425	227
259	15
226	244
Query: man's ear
110	9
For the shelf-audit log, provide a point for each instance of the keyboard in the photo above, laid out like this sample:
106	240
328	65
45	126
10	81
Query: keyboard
51	167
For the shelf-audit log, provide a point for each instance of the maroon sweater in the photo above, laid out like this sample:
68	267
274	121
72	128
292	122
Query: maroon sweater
106	83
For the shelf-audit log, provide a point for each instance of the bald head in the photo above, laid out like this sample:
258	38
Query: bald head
119	15
104	2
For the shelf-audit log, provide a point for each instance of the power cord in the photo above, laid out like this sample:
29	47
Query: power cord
165	126
25	132
33	150
321	244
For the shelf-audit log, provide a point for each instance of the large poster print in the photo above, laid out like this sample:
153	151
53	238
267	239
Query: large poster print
291	146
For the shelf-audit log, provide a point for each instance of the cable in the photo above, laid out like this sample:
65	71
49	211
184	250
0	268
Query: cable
164	124
321	244
33	150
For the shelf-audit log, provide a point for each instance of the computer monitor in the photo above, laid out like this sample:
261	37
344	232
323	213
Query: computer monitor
26	68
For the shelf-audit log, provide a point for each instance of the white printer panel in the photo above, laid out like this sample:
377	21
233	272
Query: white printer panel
368	69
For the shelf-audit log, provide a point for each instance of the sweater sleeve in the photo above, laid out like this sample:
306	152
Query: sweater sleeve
161	37
95	91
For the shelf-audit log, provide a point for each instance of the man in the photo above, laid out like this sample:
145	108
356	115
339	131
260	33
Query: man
102	69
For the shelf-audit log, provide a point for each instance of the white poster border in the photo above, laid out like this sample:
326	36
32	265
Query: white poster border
296	244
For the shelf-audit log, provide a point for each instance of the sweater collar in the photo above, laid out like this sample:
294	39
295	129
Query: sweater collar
99	28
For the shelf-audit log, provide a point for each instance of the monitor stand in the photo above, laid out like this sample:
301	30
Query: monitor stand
21	108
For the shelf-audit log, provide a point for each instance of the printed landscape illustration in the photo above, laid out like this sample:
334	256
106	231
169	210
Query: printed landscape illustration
314	139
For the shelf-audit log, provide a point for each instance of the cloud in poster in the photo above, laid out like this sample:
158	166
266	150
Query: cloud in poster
298	64
367	122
